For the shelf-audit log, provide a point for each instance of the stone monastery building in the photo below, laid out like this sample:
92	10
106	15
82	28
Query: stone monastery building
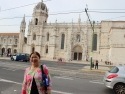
67	40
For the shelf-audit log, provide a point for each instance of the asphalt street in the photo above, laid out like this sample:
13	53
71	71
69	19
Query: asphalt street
11	77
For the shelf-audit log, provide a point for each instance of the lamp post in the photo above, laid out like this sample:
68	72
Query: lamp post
92	26
92	43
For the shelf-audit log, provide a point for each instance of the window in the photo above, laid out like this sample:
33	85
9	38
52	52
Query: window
34	37
48	37
62	41
10	40
36	21
95	42
114	70
15	41
46	49
4	40
78	38
33	49
15	51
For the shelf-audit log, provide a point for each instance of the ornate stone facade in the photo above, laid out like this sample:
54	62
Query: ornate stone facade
8	43
72	40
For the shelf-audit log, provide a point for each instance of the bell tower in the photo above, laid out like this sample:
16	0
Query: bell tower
40	14
22	35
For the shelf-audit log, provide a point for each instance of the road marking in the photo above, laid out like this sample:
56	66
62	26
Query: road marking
8	69
54	91
96	81
63	77
4	80
60	92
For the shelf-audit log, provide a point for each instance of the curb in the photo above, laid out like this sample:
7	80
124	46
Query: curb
94	71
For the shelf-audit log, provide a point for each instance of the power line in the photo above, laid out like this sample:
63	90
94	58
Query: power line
104	12
115	17
106	9
22	6
9	25
49	14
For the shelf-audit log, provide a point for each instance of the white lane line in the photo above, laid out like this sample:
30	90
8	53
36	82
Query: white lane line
54	91
60	92
14	64
8	69
97	82
63	77
4	80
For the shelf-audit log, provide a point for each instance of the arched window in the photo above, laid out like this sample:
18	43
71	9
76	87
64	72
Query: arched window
48	37
95	42
15	41
15	51
10	40
34	37
78	38
33	49
62	41
4	40
46	49
36	21
3	51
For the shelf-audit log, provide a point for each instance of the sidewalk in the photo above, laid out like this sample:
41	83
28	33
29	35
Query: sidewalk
101	69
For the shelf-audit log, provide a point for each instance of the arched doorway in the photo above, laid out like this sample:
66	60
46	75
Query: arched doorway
77	52
8	50
3	51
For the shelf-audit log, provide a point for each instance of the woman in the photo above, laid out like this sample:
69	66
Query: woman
33	77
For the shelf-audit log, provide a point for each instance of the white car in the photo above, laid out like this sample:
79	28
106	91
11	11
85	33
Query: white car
115	79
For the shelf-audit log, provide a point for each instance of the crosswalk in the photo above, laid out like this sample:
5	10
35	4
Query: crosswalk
14	66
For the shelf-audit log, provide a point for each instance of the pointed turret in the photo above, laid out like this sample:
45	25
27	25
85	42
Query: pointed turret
79	20
23	23
22	35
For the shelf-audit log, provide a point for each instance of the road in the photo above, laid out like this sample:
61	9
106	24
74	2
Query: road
66	79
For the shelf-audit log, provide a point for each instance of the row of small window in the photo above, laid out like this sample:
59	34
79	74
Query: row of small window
10	41
34	37
36	21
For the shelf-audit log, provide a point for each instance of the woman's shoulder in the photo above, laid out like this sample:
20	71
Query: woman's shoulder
27	69
45	69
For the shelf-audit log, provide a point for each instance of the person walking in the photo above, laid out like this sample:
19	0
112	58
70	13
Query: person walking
96	64
33	77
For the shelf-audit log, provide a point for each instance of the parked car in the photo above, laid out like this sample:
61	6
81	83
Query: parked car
115	79
20	56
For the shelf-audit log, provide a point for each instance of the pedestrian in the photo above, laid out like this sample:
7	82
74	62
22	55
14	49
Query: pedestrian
96	64
33	77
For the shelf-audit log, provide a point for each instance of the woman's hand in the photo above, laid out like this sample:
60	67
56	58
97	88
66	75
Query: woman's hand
48	91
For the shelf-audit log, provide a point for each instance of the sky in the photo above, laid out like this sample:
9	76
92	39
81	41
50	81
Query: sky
59	6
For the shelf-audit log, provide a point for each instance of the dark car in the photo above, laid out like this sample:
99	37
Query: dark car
20	56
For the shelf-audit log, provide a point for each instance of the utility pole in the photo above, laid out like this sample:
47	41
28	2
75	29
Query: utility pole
92	26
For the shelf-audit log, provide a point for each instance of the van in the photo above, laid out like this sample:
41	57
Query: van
20	56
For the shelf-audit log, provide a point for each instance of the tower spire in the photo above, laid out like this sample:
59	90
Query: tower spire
42	1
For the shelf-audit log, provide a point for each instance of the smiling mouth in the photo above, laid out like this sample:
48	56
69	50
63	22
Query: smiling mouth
34	61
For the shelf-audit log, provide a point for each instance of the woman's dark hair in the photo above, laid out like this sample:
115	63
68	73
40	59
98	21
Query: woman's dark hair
35	53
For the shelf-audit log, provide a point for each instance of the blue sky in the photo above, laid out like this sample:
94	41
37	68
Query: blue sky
57	6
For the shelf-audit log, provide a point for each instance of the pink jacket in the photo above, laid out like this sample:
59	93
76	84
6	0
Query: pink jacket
28	78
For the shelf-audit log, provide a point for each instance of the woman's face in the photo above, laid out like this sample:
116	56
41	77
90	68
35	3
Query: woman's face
34	59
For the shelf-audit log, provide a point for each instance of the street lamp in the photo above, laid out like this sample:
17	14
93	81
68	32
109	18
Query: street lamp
92	26
92	44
